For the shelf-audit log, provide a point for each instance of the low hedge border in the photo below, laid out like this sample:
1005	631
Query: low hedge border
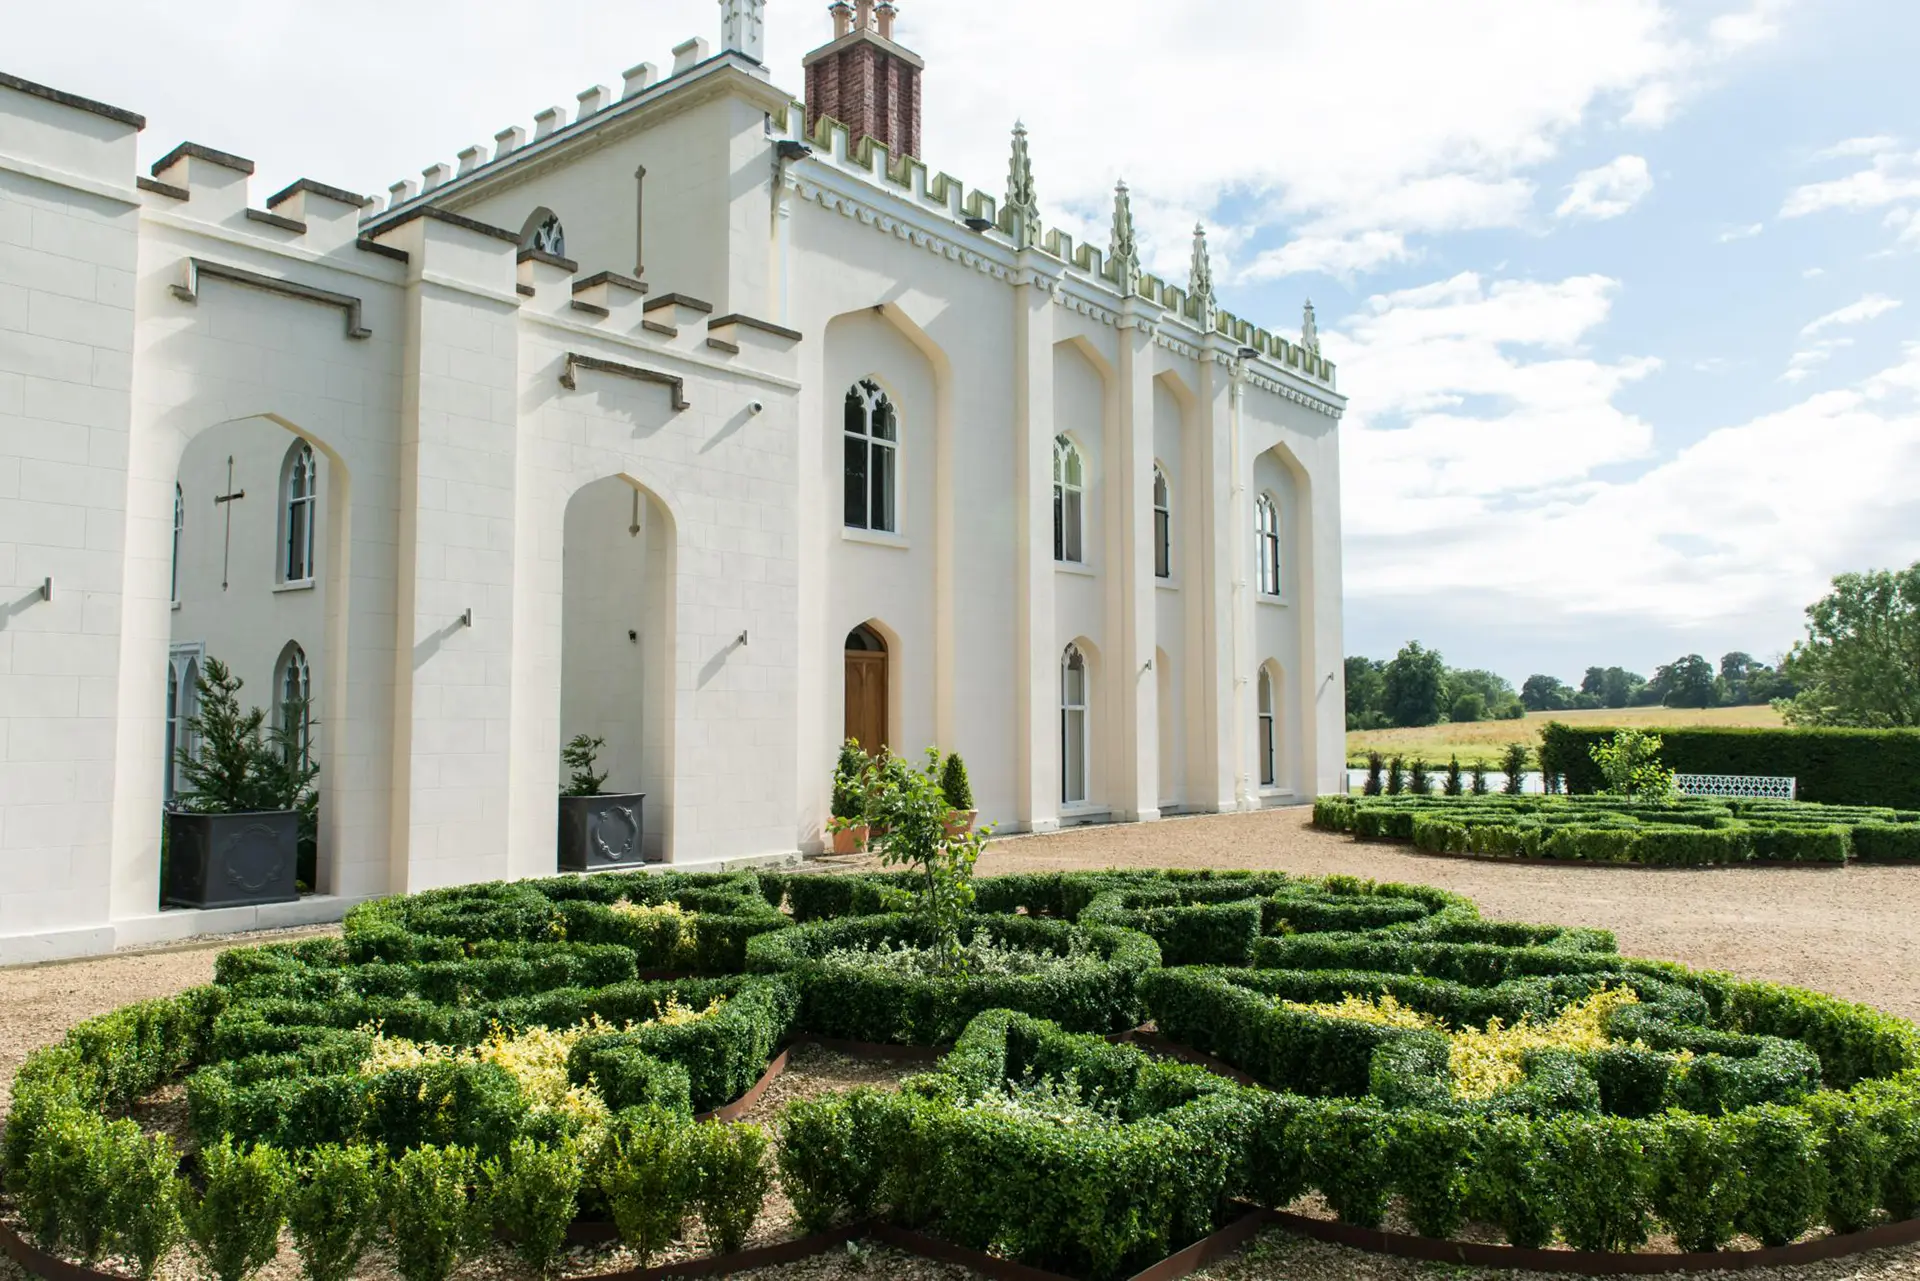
1587	1145
451	924
889	1006
1687	833
1094	1198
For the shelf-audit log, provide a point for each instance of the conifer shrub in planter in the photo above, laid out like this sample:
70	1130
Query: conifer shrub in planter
848	823
598	830
233	837
958	791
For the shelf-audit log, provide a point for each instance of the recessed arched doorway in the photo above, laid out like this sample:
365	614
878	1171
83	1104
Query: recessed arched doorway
867	688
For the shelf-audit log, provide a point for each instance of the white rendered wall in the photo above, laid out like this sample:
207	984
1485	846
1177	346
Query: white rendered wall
68	248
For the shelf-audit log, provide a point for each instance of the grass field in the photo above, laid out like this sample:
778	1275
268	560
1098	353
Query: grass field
1484	741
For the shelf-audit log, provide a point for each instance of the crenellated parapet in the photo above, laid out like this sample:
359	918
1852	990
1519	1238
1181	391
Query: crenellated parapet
982	231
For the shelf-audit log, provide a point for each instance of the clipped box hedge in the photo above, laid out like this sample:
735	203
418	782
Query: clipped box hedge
1604	829
960	1152
1833	766
878	1003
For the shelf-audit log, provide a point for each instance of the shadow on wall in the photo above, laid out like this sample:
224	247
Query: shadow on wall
714	665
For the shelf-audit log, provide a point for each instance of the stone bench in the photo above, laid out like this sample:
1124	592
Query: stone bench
1745	787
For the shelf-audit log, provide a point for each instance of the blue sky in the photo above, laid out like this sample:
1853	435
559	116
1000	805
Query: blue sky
1624	291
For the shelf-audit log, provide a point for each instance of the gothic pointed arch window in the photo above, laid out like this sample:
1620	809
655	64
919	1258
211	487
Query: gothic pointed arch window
872	433
293	715
179	524
299	492
545	234
1162	525
1073	727
1269	773
1266	528
1069	502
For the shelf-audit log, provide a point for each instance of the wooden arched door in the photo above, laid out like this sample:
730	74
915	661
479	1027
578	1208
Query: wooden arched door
867	688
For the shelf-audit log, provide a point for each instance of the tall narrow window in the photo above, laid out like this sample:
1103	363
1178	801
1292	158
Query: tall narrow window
872	459
1073	727
173	729
1267	771
183	700
1069	493
295	717
1162	526
1266	517
179	524
299	488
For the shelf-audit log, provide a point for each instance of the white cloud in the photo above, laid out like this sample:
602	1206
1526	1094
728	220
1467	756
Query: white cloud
1747	232
1805	363
1517	511
1848	148
1892	176
1813	273
1609	191
1332	255
1871	307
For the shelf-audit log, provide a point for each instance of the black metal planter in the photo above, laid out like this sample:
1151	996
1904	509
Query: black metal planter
231	860
600	832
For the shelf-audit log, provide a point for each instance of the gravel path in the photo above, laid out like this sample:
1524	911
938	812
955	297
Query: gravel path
1854	932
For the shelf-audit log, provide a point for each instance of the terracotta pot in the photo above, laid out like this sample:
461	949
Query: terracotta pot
960	822
850	840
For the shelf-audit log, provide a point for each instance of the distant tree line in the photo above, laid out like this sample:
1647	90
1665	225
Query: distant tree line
1416	687
1858	667
1741	681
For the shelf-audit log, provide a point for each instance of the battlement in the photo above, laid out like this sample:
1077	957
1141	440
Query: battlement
980	214
595	105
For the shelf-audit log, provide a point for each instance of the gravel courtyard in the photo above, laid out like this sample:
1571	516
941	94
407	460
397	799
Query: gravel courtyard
1854	932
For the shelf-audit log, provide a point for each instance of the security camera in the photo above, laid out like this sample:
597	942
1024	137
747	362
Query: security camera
756	407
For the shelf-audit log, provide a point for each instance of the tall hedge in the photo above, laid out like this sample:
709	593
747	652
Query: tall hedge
1834	766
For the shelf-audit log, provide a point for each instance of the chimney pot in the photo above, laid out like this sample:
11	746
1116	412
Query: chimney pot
863	15
842	19
886	13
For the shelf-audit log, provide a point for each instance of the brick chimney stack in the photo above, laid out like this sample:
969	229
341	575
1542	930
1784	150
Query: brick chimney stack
866	81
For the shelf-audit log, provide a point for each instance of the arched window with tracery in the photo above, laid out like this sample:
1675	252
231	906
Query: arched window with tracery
1069	501
179	524
294	715
1266	521
1162	525
299	492
1268	769
872	466
1073	727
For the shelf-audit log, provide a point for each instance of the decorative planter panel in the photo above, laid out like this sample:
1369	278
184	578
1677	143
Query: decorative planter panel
231	860
599	832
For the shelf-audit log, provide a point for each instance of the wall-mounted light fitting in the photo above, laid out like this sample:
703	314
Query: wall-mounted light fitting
46	589
633	636
466	619
756	408
742	641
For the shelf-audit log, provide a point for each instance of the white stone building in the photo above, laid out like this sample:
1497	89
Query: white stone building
695	418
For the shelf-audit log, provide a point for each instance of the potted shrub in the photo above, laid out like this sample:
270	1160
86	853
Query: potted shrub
848	825
233	836
955	786
597	830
